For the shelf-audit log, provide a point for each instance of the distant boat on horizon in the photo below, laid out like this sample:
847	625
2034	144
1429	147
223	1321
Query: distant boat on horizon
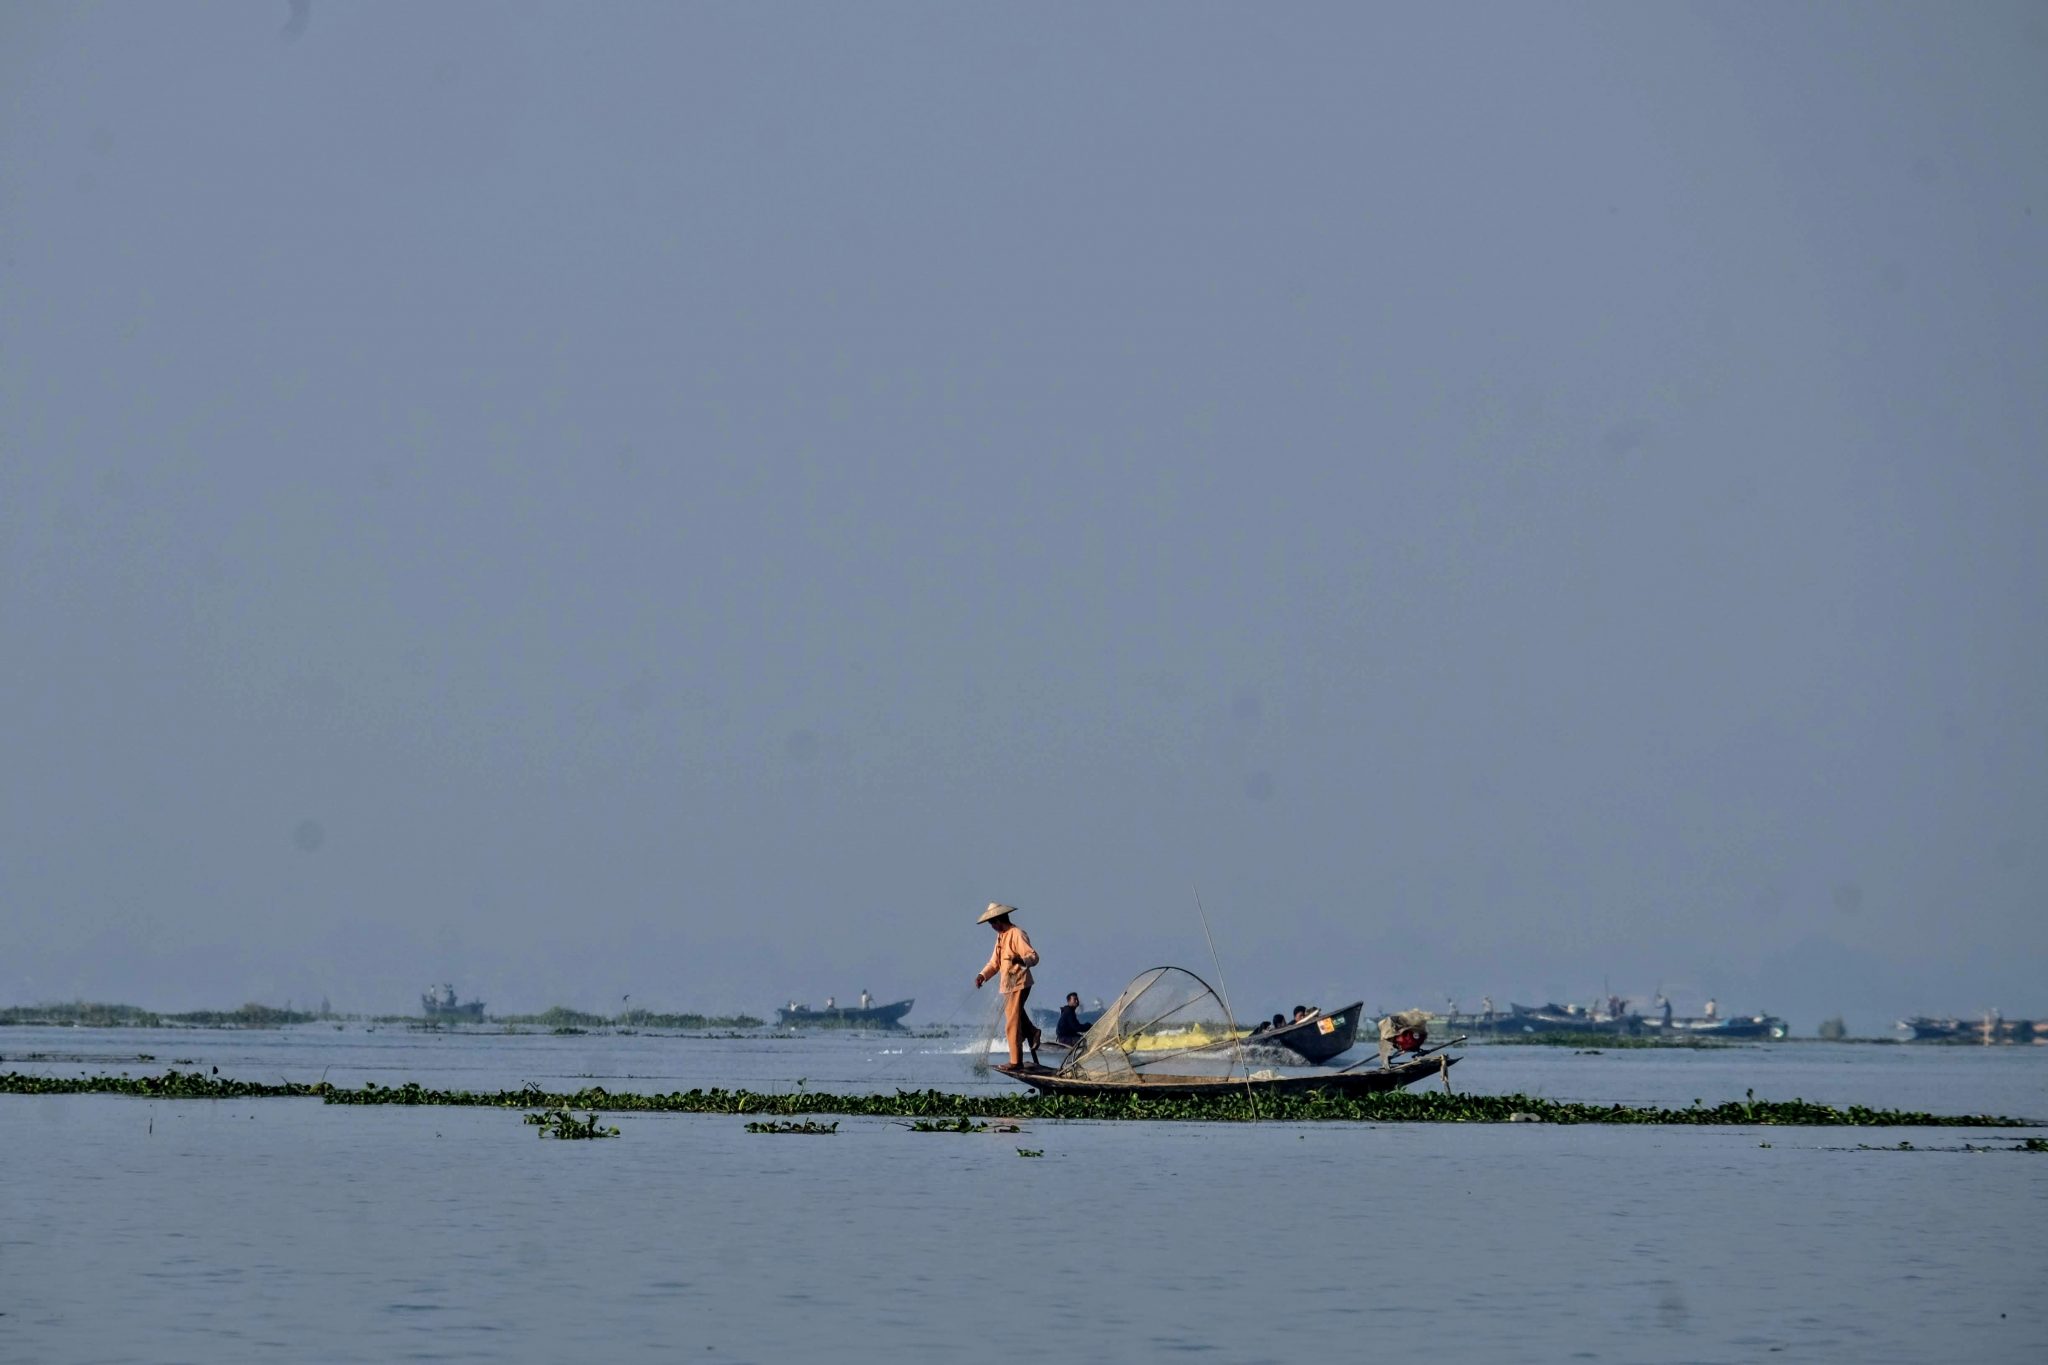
439	1003
1991	1027
842	1016
1555	1018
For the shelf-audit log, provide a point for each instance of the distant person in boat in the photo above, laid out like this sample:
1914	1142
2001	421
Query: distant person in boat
829	1004
1665	1005
1011	964
1713	1010
1070	1030
866	1000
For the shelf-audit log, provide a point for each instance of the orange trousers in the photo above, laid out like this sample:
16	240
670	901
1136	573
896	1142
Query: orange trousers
1018	1026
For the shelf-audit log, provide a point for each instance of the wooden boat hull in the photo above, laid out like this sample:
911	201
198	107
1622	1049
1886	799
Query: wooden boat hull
1739	1026
1364	1081
845	1016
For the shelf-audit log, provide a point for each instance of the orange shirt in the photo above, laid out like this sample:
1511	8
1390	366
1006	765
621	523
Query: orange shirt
1012	961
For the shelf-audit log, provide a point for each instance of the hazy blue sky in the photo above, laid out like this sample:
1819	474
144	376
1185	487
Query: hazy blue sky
696	500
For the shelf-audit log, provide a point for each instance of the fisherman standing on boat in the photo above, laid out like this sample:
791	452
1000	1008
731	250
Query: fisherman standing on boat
1012	961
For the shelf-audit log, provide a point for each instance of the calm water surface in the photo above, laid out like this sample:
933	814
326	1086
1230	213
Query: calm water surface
135	1230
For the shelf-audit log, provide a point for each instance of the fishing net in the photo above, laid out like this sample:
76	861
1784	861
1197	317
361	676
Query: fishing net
986	1042
1167	1022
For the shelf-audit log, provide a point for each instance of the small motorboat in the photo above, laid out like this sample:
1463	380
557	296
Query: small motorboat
1317	1038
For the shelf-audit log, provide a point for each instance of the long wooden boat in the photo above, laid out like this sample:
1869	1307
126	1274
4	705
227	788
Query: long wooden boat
1317	1038
844	1016
1734	1026
1363	1079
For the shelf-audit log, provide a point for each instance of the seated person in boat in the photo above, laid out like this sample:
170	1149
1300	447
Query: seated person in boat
1302	1012
1069	1031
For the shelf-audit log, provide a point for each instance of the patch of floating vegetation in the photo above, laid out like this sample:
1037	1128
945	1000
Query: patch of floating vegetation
560	1017
2010	1145
1399	1106
959	1125
807	1126
89	1014
85	1014
80	1014
1031	1151
560	1123
1594	1042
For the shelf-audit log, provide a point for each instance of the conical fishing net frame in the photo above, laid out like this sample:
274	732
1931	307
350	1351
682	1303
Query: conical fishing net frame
1168	1022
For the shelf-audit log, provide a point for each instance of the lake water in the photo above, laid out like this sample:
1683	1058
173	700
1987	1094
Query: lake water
135	1230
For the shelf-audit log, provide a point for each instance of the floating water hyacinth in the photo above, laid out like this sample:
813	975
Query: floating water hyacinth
1399	1106
959	1125
560	1123
804	1127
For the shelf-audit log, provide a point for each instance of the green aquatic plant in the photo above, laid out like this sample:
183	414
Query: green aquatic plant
560	1123
650	1019
804	1127
80	1014
251	1015
1397	1106
1030	1151
559	1017
959	1125
1581	1040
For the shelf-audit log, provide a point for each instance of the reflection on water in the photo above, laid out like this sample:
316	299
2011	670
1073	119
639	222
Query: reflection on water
283	1229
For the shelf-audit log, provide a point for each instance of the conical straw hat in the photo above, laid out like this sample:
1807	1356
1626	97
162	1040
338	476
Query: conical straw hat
996	910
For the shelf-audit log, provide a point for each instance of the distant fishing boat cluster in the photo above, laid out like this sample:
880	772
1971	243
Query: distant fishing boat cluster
1989	1027
1314	1036
1615	1019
